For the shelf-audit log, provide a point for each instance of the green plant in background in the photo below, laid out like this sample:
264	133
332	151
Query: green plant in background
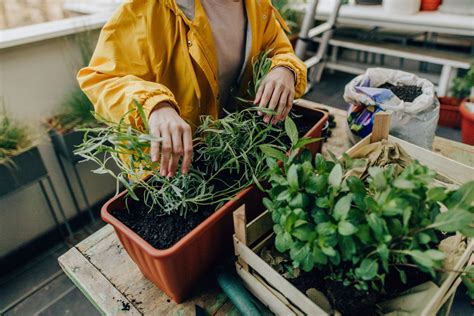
462	85
76	110
288	14
357	232
14	139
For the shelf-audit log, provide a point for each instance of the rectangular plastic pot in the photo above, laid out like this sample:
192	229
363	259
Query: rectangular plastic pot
25	168
66	143
449	115
177	269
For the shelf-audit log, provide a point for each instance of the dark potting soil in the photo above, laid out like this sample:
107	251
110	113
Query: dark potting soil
164	231
404	93
350	301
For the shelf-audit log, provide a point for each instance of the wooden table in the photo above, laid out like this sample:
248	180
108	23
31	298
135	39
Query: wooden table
104	272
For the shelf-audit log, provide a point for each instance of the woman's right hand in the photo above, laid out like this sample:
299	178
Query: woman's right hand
176	140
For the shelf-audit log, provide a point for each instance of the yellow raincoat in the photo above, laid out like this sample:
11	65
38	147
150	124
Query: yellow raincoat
163	50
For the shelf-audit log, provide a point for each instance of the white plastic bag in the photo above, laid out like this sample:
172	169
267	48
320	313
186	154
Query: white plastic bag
414	122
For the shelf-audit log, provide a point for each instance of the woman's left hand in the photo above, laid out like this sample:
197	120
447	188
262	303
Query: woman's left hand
277	93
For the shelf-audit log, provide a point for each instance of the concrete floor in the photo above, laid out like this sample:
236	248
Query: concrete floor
40	288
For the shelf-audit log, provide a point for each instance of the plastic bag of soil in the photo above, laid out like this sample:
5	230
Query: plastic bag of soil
412	100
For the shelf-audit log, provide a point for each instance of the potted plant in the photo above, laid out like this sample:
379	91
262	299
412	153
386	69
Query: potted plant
20	160
174	229
352	235
449	115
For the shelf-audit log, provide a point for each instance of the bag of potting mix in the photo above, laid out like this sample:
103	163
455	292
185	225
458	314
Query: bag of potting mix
411	99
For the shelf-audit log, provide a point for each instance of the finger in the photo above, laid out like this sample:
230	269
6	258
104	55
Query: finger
188	150
166	149
282	104
259	95
155	147
273	104
176	138
266	95
289	106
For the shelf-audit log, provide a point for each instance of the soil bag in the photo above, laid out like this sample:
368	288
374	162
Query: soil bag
411	99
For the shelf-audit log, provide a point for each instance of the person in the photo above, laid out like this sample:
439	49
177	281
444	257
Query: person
181	59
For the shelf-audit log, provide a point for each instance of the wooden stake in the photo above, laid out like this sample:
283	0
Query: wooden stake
240	229
382	121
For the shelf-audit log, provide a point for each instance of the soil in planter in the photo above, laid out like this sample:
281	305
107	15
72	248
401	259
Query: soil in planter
164	231
404	93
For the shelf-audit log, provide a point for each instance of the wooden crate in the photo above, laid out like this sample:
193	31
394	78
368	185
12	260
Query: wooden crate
280	296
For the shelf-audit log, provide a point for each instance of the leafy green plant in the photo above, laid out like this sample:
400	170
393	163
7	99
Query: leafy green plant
355	231
76	112
227	159
462	85
14	138
289	15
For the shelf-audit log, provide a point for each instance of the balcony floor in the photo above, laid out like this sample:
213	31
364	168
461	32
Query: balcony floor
40	287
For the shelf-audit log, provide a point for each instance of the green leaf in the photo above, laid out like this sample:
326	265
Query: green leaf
328	251
305	141
143	117
455	220
304	232
326	228
291	130
463	197
437	194
283	242
423	238
348	248
316	184
320	163
435	255
378	178
318	254
368	269
403	276
377	225
420	258
271	151
346	228
342	207
335	177
300	200
356	185
404	184
292	177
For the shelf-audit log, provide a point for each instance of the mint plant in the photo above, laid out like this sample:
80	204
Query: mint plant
355	231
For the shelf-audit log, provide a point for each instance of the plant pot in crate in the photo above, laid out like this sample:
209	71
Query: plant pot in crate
467	123
22	170
449	115
177	269
66	143
283	298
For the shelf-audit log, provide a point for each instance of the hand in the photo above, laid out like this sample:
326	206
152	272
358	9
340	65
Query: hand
277	93
176	140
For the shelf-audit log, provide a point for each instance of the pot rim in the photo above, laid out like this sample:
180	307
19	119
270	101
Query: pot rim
199	229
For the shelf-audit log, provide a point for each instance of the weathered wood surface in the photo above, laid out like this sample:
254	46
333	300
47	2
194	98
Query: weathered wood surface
103	271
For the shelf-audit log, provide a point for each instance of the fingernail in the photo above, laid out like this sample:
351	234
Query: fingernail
259	113
266	119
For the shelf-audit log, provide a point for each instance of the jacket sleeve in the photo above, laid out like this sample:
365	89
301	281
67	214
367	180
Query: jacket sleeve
120	71
282	51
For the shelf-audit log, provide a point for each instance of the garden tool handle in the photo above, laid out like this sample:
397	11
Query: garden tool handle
381	128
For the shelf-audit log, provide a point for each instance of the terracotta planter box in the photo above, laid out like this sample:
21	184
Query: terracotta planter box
283	298
66	143
177	269
449	115
25	168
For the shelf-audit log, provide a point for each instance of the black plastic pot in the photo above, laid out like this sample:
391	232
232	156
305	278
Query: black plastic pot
369	2
23	169
65	144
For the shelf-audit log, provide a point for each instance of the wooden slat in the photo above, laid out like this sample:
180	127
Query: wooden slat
382	121
262	293
450	282
94	284
259	227
240	229
276	280
449	168
95	238
459	152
